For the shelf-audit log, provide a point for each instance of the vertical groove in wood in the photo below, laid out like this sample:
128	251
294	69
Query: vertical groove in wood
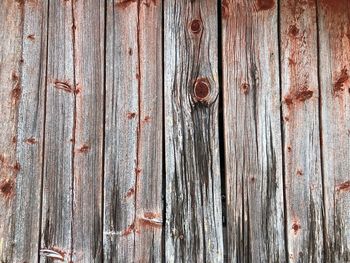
253	145
300	92
22	75
334	51
57	217
89	84
133	140
193	189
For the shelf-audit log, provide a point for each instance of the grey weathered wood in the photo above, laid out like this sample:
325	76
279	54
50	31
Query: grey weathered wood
193	188
88	172
57	209
334	51
253	147
22	76
300	94
133	141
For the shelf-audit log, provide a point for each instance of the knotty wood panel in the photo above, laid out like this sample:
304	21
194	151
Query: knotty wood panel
300	95
133	141
253	147
89	19
334	54
193	188
57	210
22	76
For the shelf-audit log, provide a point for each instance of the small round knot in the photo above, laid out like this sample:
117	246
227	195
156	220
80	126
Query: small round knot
196	26
201	89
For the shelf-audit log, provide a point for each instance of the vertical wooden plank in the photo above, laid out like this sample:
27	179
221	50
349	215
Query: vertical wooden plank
57	211
300	92
334	44
133	141
193	187
22	75
254	165
89	80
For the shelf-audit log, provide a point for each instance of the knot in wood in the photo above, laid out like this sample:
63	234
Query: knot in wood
201	89
196	26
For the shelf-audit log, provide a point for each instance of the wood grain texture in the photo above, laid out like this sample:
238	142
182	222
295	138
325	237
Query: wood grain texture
88	172
22	75
300	96
334	54
253	146
193	188
57	209
133	141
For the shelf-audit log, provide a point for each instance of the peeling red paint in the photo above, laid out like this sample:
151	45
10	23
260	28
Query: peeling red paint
225	9
296	227
17	167
147	119
293	31
299	172
265	4
300	95
137	171
131	115
345	187
130	192
129	230
84	148
7	187
16	93
124	4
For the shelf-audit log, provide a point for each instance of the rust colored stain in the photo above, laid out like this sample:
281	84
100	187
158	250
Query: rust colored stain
300	95
151	219
137	171
14	139
299	172
245	88
265	4
124	4
345	187
14	76
129	230
296	227
147	119
335	5
130	192
31	140
289	148
7	187
17	167
131	115
196	26
293	31
339	85
31	37
16	93
65	86
201	89
84	149
225	9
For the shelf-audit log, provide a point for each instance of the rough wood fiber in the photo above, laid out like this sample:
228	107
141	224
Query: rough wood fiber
88	173
193	188
133	141
57	210
300	94
253	148
334	54
23	35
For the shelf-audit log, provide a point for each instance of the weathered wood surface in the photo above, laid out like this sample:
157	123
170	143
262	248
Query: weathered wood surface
133	142
301	131
110	126
334	64
252	122
193	227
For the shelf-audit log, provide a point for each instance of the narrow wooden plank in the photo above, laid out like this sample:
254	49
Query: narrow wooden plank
300	92
22	73
89	80
57	211
334	45
133	141
193	188
253	142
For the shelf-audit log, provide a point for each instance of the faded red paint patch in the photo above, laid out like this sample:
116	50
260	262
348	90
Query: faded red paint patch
339	85
84	148
131	115
293	31
147	119
265	4
345	187
300	95
137	171
225	10
124	4
335	5
129	230
16	94
17	167
31	140
130	192
7	187
299	172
